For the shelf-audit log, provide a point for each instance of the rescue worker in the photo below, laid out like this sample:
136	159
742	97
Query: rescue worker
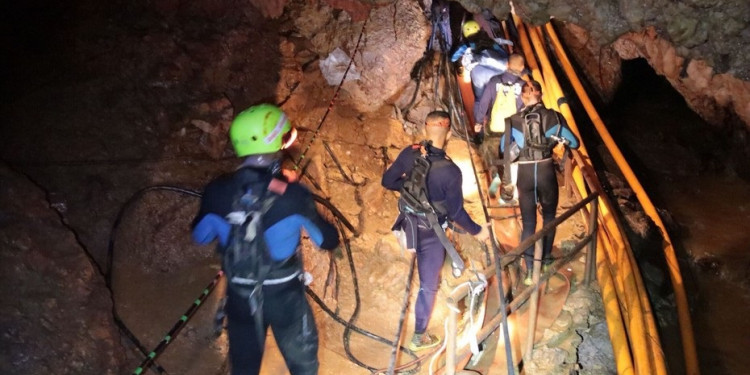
501	99
537	182
509	83
444	187
275	298
482	56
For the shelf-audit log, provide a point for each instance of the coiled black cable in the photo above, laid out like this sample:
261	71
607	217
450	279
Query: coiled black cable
341	222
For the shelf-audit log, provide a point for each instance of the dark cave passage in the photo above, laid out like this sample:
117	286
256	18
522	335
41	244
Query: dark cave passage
683	164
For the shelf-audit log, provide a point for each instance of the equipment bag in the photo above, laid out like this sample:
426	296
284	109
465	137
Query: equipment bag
246	262
503	107
536	145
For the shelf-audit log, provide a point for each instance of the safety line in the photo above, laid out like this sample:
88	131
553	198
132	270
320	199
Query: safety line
184	319
333	99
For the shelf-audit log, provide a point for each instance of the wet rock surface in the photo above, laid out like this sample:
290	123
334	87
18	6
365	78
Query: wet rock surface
55	317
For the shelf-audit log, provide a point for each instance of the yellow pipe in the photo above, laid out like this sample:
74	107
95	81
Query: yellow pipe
613	316
643	361
686	327
649	358
617	332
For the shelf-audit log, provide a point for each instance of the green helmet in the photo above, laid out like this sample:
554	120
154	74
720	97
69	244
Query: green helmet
470	28
259	130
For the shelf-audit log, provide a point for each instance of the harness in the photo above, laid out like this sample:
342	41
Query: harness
246	261
415	202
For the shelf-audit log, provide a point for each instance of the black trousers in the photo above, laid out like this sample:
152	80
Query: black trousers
537	184
287	312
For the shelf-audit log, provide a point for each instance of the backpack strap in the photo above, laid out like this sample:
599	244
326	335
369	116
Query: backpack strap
248	252
506	152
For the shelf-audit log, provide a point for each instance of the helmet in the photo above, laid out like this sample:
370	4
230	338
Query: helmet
260	129
470	28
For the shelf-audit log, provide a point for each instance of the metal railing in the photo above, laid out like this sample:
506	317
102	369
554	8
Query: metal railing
453	356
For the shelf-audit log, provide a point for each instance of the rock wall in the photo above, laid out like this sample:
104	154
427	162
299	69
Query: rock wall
693	43
393	40
686	24
721	99
55	317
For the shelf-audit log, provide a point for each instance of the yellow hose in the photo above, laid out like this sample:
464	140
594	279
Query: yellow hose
620	339
617	332
686	327
631	294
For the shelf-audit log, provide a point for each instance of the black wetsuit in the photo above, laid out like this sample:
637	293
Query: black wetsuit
285	307
537	181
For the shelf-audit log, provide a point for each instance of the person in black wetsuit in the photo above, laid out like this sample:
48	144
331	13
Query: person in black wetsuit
537	182
444	187
258	134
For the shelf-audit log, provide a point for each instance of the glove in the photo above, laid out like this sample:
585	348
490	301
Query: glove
210	227
506	193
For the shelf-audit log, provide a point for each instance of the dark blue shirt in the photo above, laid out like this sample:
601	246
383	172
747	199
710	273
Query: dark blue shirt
443	184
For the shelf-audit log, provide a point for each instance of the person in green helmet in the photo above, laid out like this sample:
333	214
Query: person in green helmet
256	215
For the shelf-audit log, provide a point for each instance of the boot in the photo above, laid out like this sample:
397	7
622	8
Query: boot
421	341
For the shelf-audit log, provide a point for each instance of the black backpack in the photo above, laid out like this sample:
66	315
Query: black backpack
536	144
247	251
247	256
415	198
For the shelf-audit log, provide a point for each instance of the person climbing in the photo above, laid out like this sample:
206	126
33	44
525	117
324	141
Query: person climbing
443	188
481	55
501	97
500	100
257	214
535	130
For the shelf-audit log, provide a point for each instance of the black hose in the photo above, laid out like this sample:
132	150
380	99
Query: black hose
392	364
151	355
355	314
495	244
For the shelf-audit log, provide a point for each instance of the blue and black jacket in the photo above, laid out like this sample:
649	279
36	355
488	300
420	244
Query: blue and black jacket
553	123
478	43
293	209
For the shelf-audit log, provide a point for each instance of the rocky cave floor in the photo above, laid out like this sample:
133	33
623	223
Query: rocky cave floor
148	104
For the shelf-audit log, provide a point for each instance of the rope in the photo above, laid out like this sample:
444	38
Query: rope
403	313
333	99
496	246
